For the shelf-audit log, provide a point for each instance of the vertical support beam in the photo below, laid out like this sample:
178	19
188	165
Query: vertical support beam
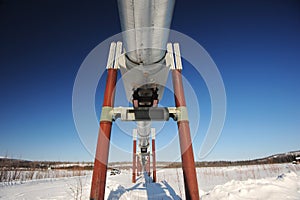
153	154
187	155
149	166
139	166
102	151
134	133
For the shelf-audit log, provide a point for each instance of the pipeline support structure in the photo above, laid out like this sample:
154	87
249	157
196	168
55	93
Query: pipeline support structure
145	59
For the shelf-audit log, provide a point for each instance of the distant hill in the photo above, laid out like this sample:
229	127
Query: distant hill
288	157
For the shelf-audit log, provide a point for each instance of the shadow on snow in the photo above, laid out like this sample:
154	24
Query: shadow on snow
160	190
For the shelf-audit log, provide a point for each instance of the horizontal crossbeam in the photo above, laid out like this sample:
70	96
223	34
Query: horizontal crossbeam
144	113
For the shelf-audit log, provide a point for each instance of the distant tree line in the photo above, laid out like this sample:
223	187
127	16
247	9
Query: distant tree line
6	163
26	164
280	158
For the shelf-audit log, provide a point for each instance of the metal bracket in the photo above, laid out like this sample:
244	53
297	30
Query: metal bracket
177	56
178	113
115	52
182	114
153	133
170	56
106	114
134	134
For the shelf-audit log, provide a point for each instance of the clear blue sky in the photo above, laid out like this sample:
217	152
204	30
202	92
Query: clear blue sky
255	44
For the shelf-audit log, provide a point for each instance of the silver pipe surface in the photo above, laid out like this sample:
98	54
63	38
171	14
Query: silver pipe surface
143	131
145	23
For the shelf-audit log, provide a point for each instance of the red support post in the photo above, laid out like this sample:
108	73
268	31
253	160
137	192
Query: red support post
138	166
134	162
148	166
187	155
153	155
102	151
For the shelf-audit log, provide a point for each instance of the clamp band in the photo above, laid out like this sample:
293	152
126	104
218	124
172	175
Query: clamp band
106	114
182	113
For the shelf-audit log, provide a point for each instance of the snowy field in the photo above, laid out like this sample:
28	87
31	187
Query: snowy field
265	182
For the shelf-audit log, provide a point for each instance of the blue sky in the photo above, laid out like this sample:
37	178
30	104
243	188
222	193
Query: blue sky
255	45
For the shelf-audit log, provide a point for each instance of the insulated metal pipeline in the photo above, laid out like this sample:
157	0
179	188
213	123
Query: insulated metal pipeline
143	130
145	38
148	19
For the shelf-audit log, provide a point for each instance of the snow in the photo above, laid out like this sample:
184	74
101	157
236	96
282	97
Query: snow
62	188
265	182
144	188
284	187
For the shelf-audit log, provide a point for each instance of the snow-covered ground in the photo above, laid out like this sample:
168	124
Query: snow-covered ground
265	182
